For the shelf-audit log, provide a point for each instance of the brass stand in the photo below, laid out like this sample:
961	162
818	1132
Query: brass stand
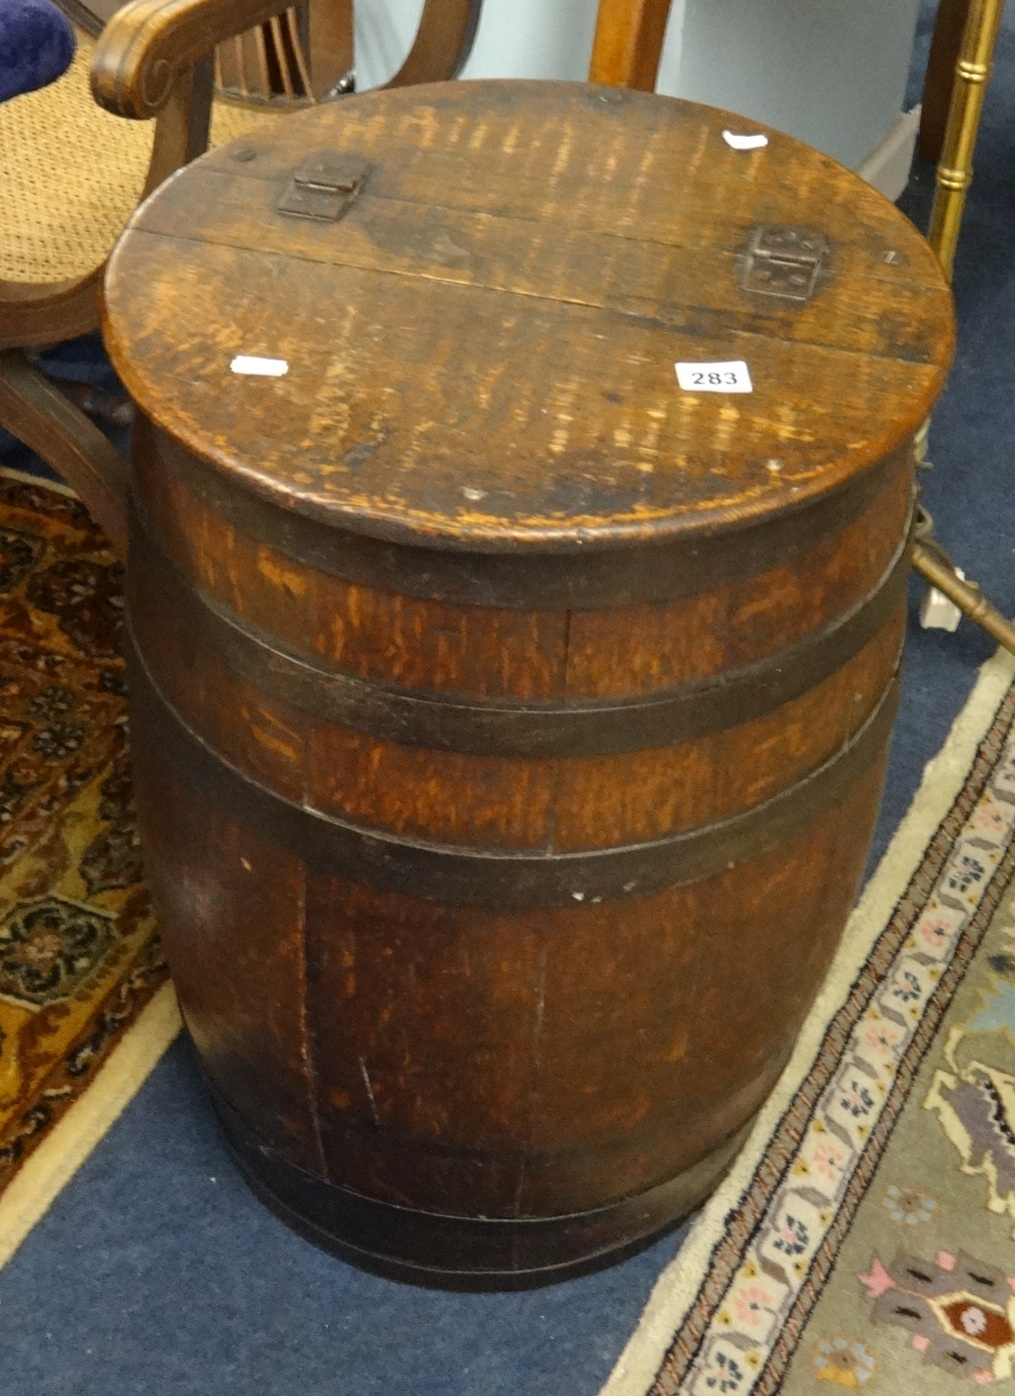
955	169
932	562
954	176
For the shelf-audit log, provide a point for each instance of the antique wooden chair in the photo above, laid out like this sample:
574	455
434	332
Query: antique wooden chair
73	173
628	43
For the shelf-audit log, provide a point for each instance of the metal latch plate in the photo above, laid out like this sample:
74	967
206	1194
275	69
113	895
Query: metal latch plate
784	261
323	187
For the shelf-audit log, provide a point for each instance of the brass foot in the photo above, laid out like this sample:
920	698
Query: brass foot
932	562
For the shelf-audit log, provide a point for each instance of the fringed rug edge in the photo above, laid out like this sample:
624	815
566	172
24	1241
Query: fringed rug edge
51	1166
943	780
26	478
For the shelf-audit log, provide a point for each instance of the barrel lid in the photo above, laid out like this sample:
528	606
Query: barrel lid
480	292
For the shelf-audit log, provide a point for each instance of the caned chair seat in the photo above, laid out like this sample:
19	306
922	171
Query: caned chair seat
73	174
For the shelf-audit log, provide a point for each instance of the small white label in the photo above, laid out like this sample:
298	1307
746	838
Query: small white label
730	377
756	141
264	368
937	612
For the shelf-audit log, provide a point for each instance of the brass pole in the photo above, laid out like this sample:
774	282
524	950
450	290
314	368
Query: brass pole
955	170
954	176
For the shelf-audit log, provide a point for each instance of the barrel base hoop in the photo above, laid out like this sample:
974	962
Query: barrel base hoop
465	1253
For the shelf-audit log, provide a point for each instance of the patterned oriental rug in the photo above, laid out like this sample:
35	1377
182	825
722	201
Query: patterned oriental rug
864	1240
79	957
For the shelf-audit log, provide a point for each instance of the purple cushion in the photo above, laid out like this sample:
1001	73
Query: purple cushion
36	45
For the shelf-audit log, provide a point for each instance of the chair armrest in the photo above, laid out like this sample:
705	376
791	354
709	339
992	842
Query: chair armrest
146	43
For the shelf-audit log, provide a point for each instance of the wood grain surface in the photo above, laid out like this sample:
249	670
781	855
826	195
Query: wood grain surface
595	232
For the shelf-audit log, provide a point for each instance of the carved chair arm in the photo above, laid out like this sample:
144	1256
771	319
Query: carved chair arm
147	43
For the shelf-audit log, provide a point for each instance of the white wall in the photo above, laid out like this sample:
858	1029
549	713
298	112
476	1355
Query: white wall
831	72
516	38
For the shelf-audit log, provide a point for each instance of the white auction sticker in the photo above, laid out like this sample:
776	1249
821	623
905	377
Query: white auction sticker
757	140
732	377
263	368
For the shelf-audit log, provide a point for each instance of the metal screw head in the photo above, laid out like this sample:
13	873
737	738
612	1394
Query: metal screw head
243	153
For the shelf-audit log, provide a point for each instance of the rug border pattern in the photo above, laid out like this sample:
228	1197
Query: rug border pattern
921	1043
73	1138
63	1087
758	1201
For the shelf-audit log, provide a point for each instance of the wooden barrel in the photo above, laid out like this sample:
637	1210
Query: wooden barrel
509	710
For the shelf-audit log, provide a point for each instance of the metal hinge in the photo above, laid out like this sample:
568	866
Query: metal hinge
344	87
785	262
323	187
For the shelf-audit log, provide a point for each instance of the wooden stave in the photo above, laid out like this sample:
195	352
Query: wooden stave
291	1105
386	1179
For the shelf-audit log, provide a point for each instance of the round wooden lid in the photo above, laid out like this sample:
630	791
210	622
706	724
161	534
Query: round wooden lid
480	292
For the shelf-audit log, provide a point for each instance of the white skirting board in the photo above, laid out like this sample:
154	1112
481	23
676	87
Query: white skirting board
886	165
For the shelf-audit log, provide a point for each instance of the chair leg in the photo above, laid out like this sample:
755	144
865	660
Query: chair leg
35	411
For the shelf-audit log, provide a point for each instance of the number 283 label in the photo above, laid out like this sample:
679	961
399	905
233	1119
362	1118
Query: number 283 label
732	377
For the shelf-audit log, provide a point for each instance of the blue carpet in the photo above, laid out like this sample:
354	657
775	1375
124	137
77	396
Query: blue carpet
157	1271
